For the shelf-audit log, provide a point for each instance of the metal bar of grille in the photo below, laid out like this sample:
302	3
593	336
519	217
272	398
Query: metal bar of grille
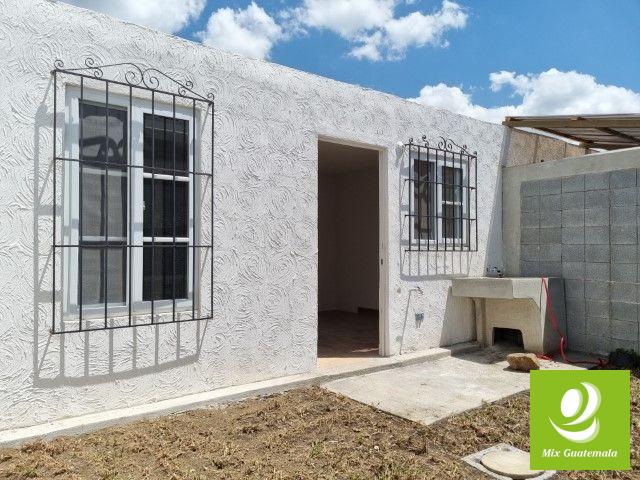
211	219
80	214
419	199
153	202
55	212
158	170
173	276
105	197
193	231
130	202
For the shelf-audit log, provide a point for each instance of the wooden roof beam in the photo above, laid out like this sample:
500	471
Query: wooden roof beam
572	122
611	131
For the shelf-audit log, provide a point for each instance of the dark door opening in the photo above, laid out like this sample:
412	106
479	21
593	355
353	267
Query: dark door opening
348	253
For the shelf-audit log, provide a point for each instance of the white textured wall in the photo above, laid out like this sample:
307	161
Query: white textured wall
267	121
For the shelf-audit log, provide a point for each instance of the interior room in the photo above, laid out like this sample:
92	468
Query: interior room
348	259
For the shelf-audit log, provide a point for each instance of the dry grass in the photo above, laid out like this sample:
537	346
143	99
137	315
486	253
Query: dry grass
306	433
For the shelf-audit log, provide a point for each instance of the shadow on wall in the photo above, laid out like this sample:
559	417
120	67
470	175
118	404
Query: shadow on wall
87	358
428	266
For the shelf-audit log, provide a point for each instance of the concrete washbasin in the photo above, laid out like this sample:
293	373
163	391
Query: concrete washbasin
518	303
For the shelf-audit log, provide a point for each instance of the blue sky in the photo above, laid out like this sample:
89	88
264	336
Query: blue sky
536	49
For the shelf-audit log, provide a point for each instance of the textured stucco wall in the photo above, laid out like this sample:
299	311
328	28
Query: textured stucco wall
268	119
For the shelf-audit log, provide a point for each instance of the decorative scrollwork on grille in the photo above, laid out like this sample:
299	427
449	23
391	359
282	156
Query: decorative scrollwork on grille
136	76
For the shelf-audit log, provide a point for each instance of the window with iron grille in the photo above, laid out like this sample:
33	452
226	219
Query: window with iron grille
443	198
131	174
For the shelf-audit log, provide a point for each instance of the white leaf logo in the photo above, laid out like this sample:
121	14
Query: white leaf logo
573	406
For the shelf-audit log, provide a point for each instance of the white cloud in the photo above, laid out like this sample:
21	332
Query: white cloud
167	15
373	27
250	32
552	92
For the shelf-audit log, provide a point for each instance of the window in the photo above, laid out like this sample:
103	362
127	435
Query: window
443	199
142	263
439	203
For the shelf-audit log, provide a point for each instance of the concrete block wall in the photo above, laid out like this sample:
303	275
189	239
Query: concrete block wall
584	228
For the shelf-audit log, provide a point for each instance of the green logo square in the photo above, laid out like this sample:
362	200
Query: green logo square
580	420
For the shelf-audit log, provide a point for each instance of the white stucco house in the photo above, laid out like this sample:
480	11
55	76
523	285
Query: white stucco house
174	217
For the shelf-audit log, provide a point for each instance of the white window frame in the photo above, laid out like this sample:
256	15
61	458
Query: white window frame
439	200
135	197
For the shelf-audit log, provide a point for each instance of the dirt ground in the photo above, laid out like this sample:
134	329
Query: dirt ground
306	433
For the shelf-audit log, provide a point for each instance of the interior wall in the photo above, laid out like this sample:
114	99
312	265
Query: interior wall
348	240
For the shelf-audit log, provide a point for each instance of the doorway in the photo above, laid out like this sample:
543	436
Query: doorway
348	253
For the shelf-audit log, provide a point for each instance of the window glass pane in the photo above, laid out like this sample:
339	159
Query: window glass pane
159	145
94	202
424	196
452	221
162	280
162	218
452	184
94	144
92	277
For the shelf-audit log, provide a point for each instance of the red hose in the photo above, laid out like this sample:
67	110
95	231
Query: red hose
563	340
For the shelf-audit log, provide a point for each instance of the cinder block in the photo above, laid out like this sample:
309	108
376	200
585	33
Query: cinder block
624	235
596	271
550	186
624	253
624	292
530	219
596	290
550	218
530	204
596	216
530	253
598	343
623	330
624	197
624	215
574	288
529	236
596	235
550	269
573	218
596	181
596	198
576	306
597	325
597	308
575	325
551	253
622	178
531	188
624	272
573	253
572	200
572	235
597	253
551	202
574	270
624	311
550	235
615	343
574	183
529	269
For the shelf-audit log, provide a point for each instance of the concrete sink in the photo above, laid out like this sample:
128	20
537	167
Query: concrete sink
519	303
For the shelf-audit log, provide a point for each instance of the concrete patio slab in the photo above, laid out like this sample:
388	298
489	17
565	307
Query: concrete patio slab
428	392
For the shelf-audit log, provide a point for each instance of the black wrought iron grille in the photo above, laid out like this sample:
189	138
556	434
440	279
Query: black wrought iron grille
443	196
137	150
